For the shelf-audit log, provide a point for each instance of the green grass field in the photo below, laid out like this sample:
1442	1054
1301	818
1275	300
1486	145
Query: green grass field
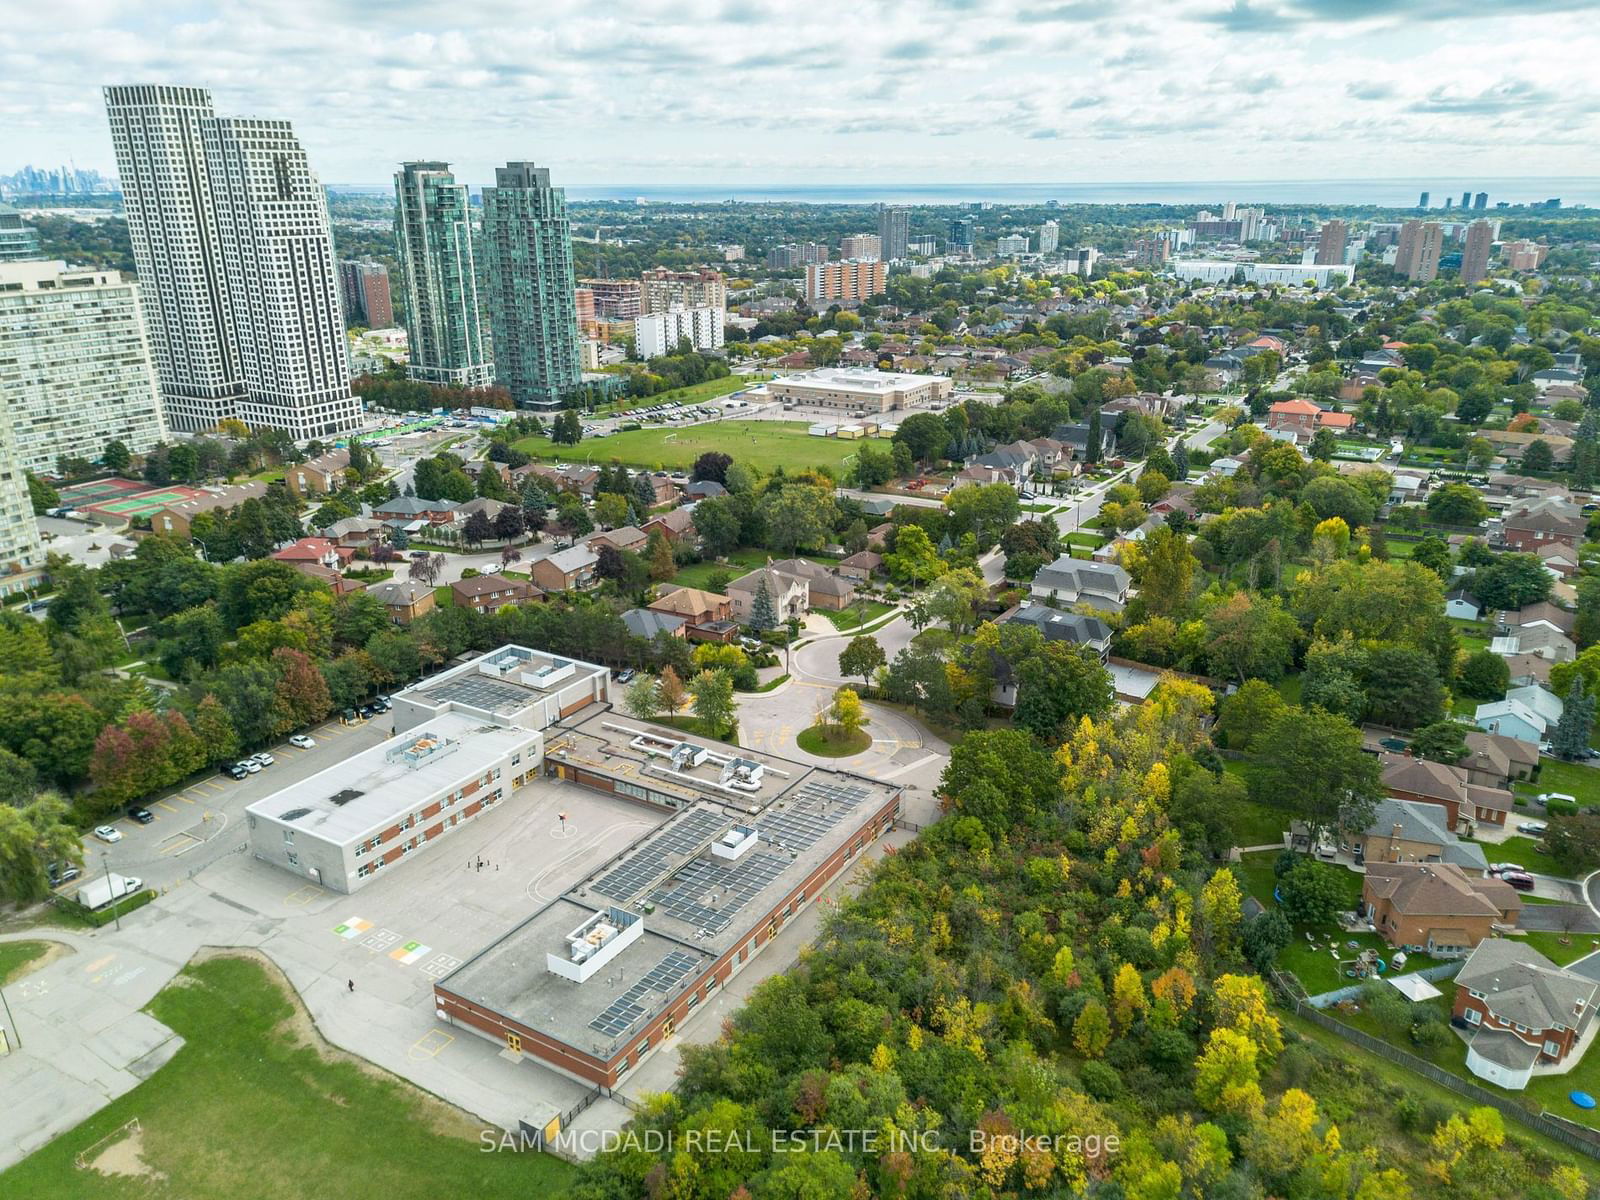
856	616
1580	782
248	1107
16	955
764	445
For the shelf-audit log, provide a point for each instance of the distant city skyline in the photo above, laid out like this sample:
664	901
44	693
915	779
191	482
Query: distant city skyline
743	91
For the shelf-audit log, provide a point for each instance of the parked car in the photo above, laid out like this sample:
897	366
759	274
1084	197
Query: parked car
108	833
237	771
251	766
1565	798
265	759
142	815
1327	850
1520	880
301	741
1534	827
367	712
62	873
626	675
1502	868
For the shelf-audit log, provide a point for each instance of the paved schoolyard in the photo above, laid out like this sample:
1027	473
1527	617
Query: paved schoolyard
85	1041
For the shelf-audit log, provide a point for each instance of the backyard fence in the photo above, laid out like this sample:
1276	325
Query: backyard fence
1574	1136
1432	974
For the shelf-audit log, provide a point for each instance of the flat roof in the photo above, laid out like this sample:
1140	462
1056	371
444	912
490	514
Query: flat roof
502	682
369	789
858	378
695	904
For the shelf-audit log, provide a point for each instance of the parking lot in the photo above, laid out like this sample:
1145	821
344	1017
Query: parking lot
191	827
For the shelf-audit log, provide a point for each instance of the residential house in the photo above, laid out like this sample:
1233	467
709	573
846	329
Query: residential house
1057	625
1069	581
790	594
1495	760
1428	782
703	489
1436	907
568	479
707	616
1525	1012
676	525
1076	438
647	623
327	575
826	587
1406	489
1462	605
1227	466
1512	446
405	599
566	570
487	593
316	550
318	476
861	566
623	537
359	533
1409	831
1528	668
662	489
1559	559
1302	418
175	519
1541	700
1543	612
1513	719
414	508
1539	639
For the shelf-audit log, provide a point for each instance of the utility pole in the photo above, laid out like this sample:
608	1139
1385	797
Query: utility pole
116	901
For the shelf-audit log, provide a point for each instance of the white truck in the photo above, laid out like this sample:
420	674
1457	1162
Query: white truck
104	889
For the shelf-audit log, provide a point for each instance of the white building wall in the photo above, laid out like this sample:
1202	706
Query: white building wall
659	333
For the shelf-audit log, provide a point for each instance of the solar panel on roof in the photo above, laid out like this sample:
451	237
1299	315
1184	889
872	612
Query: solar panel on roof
627	1008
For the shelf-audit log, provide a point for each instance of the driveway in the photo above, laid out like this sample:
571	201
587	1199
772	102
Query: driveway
1559	918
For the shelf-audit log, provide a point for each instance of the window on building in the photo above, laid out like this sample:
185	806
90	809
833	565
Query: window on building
1553	1049
1473	1016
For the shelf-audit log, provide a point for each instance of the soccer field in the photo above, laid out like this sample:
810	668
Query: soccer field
764	445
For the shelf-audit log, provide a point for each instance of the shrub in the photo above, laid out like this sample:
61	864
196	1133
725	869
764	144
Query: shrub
1100	1081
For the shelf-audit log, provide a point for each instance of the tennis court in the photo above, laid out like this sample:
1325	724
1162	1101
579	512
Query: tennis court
128	508
97	491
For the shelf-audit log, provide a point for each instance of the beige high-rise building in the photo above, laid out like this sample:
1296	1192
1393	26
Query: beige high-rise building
861	245
1417	257
1523	255
662	290
1475	255
1331	244
853	279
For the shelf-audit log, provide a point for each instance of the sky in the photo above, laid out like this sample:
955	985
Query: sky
752	91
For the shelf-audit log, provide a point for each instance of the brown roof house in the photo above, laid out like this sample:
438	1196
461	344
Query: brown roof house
1528	1016
675	525
1436	907
174	520
623	537
318	476
1494	760
861	566
406	599
1420	779
707	616
828	589
487	593
566	570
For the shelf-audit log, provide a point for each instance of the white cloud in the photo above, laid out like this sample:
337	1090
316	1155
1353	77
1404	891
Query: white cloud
741	91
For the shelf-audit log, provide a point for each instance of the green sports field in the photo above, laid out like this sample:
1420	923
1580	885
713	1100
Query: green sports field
764	445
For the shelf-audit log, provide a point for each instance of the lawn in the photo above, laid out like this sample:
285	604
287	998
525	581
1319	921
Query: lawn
16	955
857	615
254	1104
828	742
1580	782
696	575
763	445
1522	850
1549	945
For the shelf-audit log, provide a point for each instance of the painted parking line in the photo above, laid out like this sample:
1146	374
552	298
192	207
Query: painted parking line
185	799
211	785
165	805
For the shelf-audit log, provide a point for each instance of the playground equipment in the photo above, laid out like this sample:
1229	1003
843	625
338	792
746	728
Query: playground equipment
1366	965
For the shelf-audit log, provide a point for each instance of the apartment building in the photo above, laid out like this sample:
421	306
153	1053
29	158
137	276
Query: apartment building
75	365
661	290
852	279
662	332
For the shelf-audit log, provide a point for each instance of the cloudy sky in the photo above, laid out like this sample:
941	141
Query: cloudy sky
786	92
